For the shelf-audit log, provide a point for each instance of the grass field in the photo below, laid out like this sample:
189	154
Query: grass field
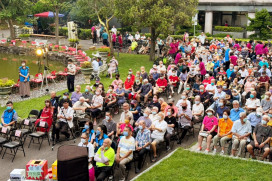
126	61
186	165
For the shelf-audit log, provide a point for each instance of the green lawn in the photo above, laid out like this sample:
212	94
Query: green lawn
126	61
186	165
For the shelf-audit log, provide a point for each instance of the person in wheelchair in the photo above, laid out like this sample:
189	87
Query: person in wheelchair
161	85
65	120
80	107
173	82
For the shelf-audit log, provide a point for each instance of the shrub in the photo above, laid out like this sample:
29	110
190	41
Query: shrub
222	35
74	40
177	36
6	82
63	31
86	64
84	34
228	29
104	49
24	35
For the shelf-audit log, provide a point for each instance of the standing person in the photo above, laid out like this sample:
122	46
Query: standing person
94	36
202	68
105	37
71	68
120	41
24	87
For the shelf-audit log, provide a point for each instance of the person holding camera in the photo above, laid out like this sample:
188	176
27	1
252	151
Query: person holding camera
65	120
71	71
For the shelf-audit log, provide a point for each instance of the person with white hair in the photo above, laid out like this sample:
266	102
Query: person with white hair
104	158
145	118
241	131
80	106
154	114
145	91
261	138
235	111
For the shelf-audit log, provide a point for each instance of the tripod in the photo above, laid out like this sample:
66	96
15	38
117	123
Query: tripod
45	73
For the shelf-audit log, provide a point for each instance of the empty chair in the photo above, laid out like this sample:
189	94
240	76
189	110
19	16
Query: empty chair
33	115
15	144
38	134
5	137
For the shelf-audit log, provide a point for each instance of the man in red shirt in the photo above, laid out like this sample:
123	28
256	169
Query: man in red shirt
161	84
207	80
263	82
173	79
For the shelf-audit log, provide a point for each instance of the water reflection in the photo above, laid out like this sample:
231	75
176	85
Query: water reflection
9	65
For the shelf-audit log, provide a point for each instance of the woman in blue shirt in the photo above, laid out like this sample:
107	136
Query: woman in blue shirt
24	87
101	134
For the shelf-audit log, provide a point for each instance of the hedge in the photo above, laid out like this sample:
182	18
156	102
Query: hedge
228	29
83	34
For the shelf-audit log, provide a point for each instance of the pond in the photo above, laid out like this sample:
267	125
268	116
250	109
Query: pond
9	65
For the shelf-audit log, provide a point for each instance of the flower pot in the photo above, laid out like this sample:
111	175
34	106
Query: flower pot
103	54
87	71
5	90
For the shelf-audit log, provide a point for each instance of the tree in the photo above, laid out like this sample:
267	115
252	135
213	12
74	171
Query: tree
56	6
82	14
158	15
260	24
104	10
11	10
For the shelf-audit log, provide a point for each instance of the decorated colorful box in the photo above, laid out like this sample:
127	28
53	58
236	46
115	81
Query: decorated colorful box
36	169
54	170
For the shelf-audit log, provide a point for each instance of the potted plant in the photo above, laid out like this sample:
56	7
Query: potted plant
73	42
24	36
5	86
104	51
86	69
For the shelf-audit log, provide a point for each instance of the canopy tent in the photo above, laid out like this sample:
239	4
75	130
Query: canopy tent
48	14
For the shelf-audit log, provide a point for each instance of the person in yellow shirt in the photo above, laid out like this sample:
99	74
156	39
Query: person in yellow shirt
209	66
220	81
270	120
224	132
104	158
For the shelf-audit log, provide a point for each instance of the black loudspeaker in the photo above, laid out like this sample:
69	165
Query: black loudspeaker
72	163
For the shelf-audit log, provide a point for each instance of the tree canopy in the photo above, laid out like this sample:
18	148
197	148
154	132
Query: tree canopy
14	10
260	24
158	15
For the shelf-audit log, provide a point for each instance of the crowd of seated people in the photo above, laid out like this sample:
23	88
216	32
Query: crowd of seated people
216	85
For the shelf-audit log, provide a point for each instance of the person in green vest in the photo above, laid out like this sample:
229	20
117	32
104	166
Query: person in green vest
104	158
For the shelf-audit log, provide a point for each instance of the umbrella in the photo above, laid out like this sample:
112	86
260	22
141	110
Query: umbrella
48	14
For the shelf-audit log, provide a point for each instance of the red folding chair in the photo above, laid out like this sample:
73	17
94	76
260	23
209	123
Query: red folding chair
52	76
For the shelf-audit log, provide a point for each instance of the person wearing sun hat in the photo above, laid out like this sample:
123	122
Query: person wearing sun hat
208	129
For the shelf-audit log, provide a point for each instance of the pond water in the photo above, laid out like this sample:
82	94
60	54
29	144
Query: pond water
9	65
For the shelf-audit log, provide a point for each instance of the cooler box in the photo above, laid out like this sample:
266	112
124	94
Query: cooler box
55	170
36	169
17	175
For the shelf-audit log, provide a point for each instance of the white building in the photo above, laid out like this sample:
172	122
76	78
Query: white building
234	12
